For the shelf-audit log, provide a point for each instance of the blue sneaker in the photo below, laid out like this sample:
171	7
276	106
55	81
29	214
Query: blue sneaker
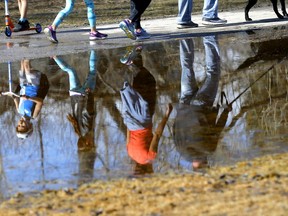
142	35
128	29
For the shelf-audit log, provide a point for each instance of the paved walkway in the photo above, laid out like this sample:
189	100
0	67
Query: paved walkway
29	44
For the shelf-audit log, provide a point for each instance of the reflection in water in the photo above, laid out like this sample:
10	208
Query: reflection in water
82	117
33	87
62	152
196	127
138	109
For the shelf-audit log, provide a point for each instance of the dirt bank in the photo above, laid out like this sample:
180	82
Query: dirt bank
257	187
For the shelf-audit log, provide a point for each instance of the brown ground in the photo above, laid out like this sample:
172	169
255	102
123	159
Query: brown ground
258	187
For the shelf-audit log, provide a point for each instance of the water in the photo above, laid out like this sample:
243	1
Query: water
201	131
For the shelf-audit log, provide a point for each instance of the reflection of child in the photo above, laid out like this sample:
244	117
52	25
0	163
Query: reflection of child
33	89
82	102
142	145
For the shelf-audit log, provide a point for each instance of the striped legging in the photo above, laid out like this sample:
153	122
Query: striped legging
69	8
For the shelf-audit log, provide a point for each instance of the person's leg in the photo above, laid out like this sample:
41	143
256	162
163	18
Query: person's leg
210	13
63	14
91	16
90	82
137	8
23	23
50	31
184	11
74	82
184	19
210	9
23	6
188	82
207	93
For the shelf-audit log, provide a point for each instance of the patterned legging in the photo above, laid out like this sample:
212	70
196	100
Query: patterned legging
69	8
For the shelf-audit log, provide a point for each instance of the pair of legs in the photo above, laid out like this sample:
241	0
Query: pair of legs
209	13
94	34
132	26
190	92
23	23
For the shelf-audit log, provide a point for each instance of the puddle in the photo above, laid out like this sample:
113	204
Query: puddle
229	99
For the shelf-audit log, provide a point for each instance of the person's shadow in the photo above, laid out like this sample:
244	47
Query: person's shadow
197	126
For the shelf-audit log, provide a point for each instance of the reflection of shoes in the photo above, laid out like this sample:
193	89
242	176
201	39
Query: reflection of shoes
131	53
128	28
77	92
187	25
213	21
142	35
21	26
50	34
97	36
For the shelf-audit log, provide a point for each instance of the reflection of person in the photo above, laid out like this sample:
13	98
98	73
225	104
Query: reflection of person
83	113
132	26
33	89
138	109
209	15
50	31
23	23
196	127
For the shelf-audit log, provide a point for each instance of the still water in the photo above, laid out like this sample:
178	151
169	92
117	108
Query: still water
229	99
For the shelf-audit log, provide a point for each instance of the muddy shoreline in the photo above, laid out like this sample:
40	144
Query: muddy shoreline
257	187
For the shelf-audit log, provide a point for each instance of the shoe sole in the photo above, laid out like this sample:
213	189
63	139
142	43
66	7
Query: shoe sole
213	24
93	39
126	30
48	35
186	26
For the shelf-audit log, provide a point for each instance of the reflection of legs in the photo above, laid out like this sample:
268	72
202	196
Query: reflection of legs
208	91
73	78
90	82
188	82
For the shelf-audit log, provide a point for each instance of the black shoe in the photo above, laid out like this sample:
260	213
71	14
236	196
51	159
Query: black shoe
213	21
21	26
187	25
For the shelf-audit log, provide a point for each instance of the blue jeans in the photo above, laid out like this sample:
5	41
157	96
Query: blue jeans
210	9
205	95
184	11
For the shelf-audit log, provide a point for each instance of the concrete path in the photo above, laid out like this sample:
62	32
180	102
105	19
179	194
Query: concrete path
29	44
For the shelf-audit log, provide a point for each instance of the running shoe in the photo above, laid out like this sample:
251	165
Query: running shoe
130	55
187	25
128	29
97	36
142	35
50	34
21	26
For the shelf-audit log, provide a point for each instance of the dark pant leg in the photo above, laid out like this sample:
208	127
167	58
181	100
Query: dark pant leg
137	8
